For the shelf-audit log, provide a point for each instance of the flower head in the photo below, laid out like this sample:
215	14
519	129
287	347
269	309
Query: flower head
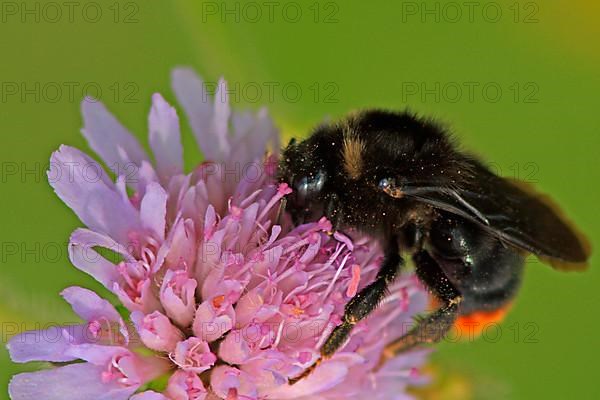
222	300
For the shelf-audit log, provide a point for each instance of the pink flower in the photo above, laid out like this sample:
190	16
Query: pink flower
185	386
194	355
156	330
224	300
177	295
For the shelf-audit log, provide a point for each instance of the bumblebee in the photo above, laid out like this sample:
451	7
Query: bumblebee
402	179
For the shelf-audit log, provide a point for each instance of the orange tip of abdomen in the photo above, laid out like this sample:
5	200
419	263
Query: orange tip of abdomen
473	324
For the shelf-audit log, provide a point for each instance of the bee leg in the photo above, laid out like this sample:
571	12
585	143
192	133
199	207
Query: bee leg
433	327
361	305
333	213
281	210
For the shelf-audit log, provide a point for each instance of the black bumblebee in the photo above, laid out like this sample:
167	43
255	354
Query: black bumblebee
401	179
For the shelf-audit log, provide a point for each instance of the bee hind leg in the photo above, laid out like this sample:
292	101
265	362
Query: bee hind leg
433	327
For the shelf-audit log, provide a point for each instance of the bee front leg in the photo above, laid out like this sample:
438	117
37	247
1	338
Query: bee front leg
433	327
281	211
361	305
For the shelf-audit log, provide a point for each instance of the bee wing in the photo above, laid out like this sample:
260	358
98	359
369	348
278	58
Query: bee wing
515	213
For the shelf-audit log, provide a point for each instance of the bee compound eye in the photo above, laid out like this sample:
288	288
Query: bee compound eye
386	183
302	187
310	185
319	181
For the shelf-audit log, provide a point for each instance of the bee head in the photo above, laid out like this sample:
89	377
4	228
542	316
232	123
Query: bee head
303	168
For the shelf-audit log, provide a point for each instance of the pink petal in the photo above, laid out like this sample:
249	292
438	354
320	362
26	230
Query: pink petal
121	364
344	239
210	323
119	149
327	375
185	386
89	238
153	209
156	331
91	307
193	355
71	382
84	186
222	112
97	354
84	257
234	349
206	124
182	244
145	300
226	381
53	344
165	138
269	368
253	135
149	395
88	305
177	295
253	307
48	344
229	289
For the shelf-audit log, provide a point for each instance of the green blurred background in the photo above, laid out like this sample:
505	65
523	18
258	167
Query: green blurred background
517	81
